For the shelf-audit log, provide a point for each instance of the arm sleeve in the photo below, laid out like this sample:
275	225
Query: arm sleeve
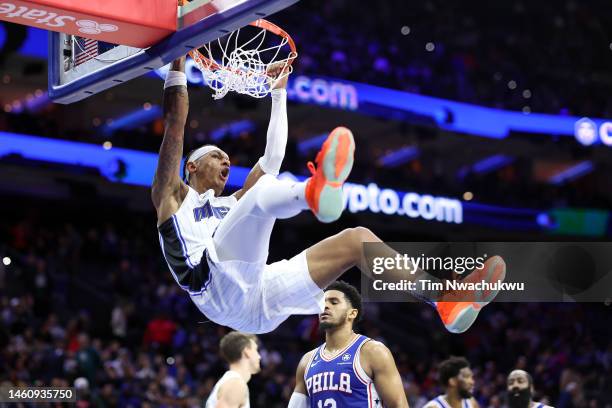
299	400
276	141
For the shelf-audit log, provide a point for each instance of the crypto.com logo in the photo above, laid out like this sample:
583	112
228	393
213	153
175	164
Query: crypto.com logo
27	16
587	133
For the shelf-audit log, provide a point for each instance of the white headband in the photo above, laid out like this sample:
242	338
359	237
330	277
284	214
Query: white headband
198	154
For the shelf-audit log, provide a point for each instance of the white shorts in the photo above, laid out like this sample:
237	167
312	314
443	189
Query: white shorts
257	298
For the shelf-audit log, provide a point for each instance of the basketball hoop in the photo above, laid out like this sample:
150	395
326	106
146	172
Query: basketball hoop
229	65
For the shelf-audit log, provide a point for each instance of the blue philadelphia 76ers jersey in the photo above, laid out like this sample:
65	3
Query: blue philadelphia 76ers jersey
340	381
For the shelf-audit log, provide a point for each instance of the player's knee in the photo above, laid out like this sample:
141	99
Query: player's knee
363	234
357	236
265	179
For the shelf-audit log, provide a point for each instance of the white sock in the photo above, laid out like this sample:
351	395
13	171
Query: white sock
298	189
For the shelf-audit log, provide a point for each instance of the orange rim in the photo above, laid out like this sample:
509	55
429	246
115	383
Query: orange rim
260	23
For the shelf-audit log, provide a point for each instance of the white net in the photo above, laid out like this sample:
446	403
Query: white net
250	65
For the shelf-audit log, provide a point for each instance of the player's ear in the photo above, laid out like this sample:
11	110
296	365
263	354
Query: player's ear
247	351
353	314
191	167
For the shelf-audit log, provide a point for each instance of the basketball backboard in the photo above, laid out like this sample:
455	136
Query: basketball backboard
80	67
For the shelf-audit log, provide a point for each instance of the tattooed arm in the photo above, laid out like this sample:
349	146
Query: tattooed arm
168	190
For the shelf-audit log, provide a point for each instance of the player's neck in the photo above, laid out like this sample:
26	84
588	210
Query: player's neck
242	369
453	399
338	338
200	189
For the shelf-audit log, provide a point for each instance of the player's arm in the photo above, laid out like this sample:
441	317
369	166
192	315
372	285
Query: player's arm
377	360
168	190
232	394
299	398
474	403
276	139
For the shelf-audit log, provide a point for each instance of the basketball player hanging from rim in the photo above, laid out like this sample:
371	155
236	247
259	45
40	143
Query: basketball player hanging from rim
217	246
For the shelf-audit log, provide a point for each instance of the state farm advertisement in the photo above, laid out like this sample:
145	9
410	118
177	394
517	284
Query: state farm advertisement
111	21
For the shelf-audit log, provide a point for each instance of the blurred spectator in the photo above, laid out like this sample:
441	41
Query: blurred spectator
160	331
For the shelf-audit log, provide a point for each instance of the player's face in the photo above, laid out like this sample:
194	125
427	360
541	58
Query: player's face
338	310
465	383
519	389
517	380
252	353
212	171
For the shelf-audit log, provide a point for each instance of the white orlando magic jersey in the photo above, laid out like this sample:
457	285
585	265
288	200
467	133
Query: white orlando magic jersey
187	236
214	399
339	380
252	297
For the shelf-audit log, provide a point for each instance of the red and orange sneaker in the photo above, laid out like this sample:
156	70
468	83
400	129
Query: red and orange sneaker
333	165
458	316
